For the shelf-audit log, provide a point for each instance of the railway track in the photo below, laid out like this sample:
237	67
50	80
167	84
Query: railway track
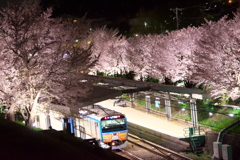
139	149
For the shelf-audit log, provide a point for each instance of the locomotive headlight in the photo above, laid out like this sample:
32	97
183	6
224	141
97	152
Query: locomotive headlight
113	144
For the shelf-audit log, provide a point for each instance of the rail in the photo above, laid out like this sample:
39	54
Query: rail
157	149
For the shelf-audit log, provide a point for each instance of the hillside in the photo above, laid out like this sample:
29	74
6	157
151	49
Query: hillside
19	142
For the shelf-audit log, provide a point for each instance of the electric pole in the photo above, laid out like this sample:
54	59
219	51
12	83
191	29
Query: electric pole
176	12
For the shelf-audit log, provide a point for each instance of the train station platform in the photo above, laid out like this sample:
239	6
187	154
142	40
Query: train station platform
148	120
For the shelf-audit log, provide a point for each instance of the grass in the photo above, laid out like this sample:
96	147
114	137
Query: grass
234	131
33	128
125	96
219	122
142	103
36	129
201	157
154	107
182	115
162	110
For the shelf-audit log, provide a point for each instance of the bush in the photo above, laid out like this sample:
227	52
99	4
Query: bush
204	107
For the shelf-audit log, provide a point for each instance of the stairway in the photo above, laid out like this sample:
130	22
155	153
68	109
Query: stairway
196	145
196	139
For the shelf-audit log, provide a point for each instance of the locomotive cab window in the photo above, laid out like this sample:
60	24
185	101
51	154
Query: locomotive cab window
113	123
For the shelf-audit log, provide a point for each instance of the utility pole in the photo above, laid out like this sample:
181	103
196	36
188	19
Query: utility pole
176	12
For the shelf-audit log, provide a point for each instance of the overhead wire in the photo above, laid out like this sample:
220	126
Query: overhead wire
193	6
186	8
184	20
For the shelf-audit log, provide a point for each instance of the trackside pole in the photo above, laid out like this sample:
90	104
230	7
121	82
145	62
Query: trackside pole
168	107
132	100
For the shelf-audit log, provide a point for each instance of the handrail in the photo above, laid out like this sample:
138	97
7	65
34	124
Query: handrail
193	131
220	135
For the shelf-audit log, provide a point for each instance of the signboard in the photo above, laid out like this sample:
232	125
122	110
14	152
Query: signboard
157	103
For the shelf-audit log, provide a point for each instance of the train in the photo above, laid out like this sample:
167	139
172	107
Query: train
107	127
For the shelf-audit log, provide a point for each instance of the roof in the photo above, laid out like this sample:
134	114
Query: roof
99	94
195	93
98	111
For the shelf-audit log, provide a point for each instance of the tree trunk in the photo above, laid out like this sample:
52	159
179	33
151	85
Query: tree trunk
11	114
32	113
30	120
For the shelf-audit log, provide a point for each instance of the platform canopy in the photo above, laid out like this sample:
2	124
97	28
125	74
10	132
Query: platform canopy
102	91
143	86
99	94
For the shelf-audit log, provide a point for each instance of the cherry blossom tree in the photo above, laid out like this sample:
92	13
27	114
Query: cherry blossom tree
7	91
166	55
205	55
145	54
41	59
217	57
180	46
110	49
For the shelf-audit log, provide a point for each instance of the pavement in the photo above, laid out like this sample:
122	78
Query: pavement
148	120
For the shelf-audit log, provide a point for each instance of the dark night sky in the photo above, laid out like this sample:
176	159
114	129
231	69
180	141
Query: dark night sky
118	12
113	9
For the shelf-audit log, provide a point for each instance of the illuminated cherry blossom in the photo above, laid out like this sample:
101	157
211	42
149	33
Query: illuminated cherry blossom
110	48
40	59
217	58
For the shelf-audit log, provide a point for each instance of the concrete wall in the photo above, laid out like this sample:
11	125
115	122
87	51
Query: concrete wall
52	116
233	140
42	121
159	138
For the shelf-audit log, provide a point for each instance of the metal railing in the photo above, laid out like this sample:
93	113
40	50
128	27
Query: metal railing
193	131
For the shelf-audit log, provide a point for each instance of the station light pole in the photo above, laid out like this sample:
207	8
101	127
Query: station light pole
148	103
193	108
